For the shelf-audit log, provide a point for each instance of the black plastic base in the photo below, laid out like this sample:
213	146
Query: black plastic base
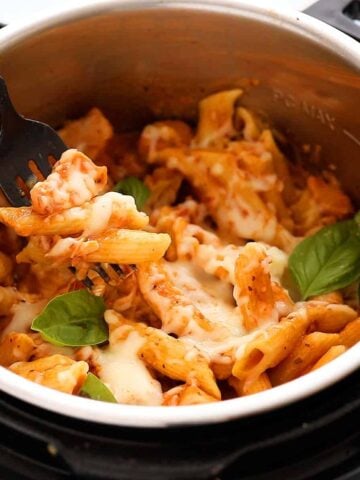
318	438
341	14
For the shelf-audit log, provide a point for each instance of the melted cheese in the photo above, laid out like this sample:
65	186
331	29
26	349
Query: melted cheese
278	262
223	352
211	258
24	314
72	247
75	179
99	216
212	297
103	207
126	374
236	215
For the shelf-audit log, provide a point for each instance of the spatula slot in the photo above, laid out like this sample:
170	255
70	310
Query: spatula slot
36	171
23	187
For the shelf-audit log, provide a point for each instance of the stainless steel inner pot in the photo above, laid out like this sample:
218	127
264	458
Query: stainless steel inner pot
140	60
145	59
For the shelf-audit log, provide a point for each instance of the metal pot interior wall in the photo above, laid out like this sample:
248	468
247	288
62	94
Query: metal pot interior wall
141	62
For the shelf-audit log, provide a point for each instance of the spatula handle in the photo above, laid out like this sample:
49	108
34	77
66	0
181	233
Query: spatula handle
10	120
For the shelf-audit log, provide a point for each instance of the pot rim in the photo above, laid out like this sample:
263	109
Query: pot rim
152	417
164	417
287	18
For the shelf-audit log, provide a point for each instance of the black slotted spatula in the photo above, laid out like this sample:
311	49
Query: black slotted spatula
26	147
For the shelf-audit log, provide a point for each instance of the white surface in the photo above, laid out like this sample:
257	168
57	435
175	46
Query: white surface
11	10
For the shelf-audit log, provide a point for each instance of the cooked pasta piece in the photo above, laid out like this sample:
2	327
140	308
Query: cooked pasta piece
75	179
223	370
128	246
164	186
187	395
8	297
225	190
165	134
216	114
329	318
6	267
195	289
15	347
281	167
176	310
111	210
170	356
269	347
89	134
350	335
331	354
332	297
321	203
253	290
242	389
303	356
120	367
329	198
251	128
57	372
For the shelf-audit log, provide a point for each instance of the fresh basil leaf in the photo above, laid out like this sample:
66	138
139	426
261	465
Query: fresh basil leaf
357	219
134	187
328	260
94	388
351	295
73	319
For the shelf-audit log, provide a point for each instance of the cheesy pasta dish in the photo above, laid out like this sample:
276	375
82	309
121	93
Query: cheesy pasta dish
178	265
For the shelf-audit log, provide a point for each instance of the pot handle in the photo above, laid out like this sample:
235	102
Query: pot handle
341	14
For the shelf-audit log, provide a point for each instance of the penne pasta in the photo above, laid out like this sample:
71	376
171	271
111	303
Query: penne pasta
350	335
8	297
56	371
185	304
253	290
232	200
177	312
303	356
330	318
75	179
269	347
216	114
129	246
187	395
172	357
6	267
161	135
111	210
88	134
331	354
15	347
261	384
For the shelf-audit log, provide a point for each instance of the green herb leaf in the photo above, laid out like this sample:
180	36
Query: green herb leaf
351	295
328	260
73	319
357	219
96	389
134	187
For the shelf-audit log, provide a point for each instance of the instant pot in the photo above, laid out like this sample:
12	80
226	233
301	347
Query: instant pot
140	60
